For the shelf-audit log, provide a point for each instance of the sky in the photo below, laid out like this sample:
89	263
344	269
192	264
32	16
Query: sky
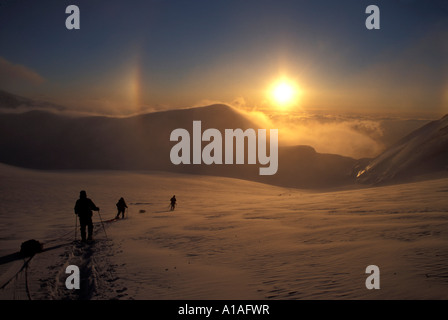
134	56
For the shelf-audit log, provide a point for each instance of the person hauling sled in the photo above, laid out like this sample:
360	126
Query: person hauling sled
173	203
121	206
83	209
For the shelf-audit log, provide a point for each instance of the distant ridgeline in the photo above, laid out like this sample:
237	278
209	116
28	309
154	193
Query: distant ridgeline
161	141
44	140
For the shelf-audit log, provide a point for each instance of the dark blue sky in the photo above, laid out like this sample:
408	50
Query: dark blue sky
165	53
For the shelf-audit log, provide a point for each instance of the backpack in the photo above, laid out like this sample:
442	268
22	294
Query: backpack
31	247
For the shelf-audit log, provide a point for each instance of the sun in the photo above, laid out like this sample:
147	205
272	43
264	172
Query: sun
284	93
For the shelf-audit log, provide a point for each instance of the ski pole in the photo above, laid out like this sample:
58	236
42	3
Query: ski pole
102	224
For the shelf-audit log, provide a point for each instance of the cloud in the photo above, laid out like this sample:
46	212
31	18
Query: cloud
12	74
353	137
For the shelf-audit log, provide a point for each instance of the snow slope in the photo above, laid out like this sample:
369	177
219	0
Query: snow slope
423	151
227	239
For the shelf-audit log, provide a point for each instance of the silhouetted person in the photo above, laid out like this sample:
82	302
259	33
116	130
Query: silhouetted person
83	208
121	206
173	202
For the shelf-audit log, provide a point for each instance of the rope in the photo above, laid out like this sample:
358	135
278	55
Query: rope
25	264
26	281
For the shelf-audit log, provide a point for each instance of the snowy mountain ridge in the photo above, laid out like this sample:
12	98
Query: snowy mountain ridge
423	151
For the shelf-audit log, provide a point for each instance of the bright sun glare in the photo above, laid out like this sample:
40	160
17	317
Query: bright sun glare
284	93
